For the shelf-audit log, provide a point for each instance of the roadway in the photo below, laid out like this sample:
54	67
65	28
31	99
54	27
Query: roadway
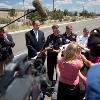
19	37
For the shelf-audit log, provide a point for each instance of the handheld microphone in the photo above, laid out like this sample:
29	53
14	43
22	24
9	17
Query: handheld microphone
39	8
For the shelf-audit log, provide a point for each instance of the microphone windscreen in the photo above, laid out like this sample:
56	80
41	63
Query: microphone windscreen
39	8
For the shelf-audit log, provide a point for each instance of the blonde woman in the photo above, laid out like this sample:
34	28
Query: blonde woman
68	68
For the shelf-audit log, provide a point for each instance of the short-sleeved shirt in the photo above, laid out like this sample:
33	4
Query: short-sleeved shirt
69	37
82	40
69	72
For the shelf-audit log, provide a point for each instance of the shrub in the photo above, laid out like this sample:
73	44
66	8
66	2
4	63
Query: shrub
13	27
5	20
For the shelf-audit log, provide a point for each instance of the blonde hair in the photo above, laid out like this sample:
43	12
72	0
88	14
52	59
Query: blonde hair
72	51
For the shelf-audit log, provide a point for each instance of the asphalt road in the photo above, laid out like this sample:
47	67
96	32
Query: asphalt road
19	38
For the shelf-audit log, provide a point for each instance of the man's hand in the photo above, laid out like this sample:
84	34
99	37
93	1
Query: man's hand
5	37
47	48
56	50
37	53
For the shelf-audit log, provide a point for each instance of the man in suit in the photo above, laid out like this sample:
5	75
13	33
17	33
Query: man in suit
34	40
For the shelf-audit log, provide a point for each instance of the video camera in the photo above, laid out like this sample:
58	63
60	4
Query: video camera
8	75
30	74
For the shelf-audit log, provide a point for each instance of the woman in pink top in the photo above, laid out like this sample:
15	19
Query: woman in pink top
69	72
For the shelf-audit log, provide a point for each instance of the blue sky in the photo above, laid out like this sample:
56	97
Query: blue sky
71	5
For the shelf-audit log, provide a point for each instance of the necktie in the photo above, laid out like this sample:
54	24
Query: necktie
36	35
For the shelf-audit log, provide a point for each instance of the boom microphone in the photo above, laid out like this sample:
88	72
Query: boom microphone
39	8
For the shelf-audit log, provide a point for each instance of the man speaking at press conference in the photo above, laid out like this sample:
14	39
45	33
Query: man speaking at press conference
34	39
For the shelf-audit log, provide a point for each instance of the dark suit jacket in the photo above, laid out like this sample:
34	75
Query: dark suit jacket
6	47
32	44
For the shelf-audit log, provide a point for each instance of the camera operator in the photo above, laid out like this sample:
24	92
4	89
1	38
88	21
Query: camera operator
6	44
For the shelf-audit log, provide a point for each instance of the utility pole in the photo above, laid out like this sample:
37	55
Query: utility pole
53	5
24	9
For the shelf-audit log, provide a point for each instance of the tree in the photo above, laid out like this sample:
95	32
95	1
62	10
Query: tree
33	15
75	13
84	13
91	14
56	14
12	13
66	12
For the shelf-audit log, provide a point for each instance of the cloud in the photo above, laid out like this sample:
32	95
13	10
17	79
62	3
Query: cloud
80	2
4	5
28	1
7	1
93	3
72	5
89	5
60	2
49	6
27	4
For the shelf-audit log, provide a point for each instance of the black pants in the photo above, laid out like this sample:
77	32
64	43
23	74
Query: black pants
68	92
1	66
51	64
